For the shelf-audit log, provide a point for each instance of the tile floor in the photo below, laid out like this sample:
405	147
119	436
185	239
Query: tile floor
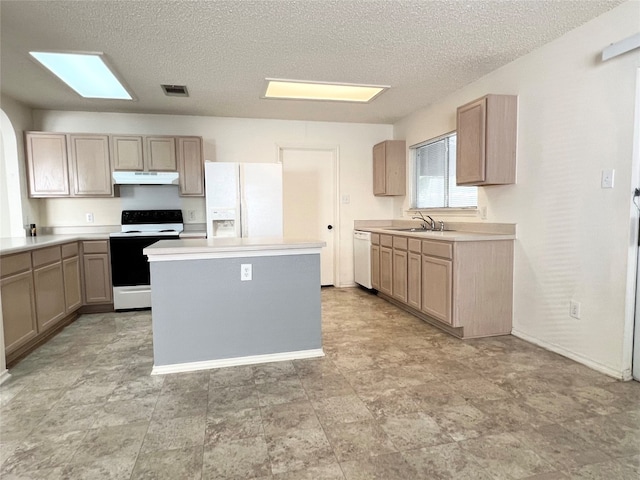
394	398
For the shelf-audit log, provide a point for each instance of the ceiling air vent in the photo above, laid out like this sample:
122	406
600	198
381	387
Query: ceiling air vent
175	90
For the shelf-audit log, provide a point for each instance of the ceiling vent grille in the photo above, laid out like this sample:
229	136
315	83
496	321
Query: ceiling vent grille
175	90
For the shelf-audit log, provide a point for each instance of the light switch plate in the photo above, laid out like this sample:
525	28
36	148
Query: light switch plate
607	178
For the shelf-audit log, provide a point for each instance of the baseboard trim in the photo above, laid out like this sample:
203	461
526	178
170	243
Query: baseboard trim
4	376
232	362
573	356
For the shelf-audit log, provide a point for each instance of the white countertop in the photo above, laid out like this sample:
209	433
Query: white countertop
449	236
23	244
230	247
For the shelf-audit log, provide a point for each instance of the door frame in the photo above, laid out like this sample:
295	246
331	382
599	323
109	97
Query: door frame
335	151
631	346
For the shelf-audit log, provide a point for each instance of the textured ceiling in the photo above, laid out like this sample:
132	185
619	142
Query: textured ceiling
223	50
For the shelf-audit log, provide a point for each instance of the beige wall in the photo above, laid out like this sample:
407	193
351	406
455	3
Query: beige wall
575	240
236	140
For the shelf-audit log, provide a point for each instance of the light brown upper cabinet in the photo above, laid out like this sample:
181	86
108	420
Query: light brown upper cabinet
486	141
127	152
160	154
191	166
90	165
389	168
48	170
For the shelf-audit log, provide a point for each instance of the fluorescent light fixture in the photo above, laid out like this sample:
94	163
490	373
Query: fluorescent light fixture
86	73
307	90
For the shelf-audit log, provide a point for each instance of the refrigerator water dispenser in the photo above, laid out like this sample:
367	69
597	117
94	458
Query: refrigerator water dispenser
223	222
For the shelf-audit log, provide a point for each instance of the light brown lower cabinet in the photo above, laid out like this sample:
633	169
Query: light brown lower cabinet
72	285
48	282
97	272
464	287
375	267
43	288
436	287
386	273
414	280
400	275
18	310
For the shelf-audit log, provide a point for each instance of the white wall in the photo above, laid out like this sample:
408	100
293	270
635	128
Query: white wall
16	208
237	140
576	117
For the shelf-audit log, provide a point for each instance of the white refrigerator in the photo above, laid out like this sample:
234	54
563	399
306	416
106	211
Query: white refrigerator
243	199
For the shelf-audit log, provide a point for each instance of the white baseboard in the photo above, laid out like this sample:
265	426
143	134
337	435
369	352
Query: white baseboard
232	362
4	376
624	375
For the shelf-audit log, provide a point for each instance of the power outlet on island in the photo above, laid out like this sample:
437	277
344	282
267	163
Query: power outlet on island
245	272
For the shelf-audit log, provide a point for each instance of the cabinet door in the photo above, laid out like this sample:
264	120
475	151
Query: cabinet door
471	139
49	287
72	285
97	278
386	274
160	154
400	275
127	152
190	166
48	169
375	267
379	169
437	288
18	310
414	282
90	165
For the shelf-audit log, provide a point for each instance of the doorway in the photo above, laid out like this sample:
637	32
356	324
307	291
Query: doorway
309	185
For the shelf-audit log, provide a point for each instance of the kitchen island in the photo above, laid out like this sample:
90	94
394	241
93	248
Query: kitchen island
233	301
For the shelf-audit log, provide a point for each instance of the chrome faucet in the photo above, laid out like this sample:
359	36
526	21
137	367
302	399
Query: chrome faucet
426	224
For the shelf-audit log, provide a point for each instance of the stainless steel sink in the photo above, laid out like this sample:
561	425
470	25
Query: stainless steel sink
410	230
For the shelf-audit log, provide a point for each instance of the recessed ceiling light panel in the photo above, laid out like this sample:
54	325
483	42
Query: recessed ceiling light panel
308	90
86	73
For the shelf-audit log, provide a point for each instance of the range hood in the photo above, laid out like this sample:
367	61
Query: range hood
145	178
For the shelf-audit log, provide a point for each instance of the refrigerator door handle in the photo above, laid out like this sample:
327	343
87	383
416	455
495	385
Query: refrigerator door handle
244	220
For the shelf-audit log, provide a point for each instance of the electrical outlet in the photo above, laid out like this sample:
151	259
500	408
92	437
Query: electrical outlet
574	309
89	217
191	215
245	272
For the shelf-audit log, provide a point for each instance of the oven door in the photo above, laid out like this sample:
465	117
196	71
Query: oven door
130	270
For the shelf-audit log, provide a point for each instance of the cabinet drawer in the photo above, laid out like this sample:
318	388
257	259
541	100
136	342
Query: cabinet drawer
375	239
45	256
400	243
415	245
437	249
386	241
95	246
12	264
70	250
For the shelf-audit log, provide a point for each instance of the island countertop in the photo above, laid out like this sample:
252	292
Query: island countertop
230	247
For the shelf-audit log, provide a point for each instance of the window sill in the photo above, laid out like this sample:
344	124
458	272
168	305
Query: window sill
448	212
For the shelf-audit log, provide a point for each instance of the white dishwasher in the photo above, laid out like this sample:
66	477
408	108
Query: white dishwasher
362	258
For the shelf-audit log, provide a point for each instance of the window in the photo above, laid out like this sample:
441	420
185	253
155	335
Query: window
435	176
